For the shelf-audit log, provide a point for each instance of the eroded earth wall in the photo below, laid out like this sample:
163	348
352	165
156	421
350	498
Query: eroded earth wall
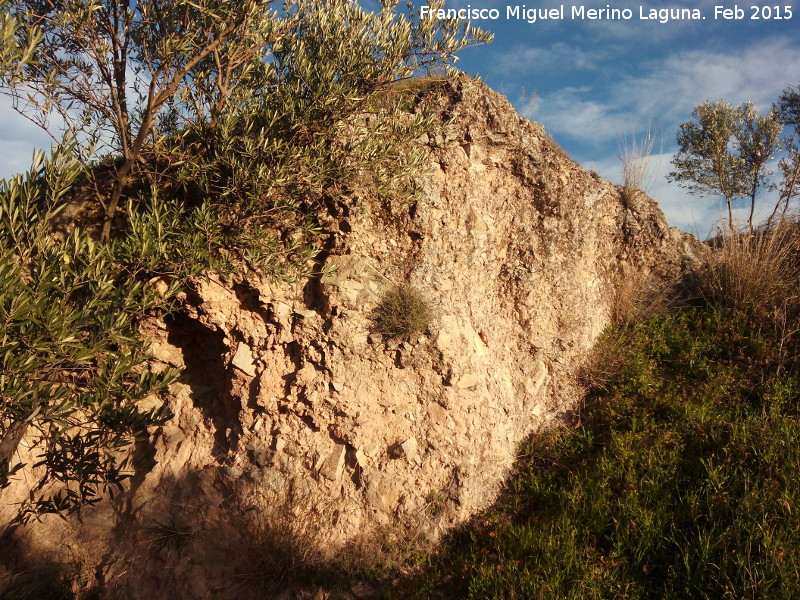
290	404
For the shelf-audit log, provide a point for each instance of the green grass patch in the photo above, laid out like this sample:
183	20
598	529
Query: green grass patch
679	479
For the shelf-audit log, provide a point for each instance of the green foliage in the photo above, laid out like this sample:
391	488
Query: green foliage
725	152
288	91
168	239
788	110
16	44
109	69
403	313
228	127
71	361
323	122
678	481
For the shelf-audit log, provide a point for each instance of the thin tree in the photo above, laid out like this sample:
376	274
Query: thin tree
758	141
109	68
120	74
788	111
725	151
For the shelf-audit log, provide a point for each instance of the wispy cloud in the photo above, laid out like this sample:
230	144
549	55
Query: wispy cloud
668	91
533	60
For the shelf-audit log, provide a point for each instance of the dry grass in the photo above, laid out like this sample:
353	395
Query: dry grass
403	313
641	296
278	546
753	273
406	93
636	297
604	360
281	548
637	171
555	148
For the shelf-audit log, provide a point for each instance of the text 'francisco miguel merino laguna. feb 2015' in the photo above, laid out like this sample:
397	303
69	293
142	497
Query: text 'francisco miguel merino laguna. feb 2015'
520	12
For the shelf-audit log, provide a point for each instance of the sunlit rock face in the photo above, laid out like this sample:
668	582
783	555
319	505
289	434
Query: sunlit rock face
295	420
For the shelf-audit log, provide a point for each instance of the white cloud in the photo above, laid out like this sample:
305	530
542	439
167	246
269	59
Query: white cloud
525	61
662	98
635	30
569	113
667	93
759	73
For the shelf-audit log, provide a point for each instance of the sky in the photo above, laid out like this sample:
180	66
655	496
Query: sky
595	83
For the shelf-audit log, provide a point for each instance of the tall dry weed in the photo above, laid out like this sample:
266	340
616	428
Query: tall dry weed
641	295
636	297
638	172
755	274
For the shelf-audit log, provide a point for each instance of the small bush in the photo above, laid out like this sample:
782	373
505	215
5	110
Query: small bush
403	313
637	172
753	273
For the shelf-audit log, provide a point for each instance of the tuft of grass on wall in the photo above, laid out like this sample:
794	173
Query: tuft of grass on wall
637	172
403	313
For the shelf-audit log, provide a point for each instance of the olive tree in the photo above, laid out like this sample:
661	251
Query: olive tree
108	69
725	152
254	105
788	110
122	74
15	52
73	369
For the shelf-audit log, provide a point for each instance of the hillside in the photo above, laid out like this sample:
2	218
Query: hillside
298	428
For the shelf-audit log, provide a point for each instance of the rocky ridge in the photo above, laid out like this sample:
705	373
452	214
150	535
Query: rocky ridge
292	409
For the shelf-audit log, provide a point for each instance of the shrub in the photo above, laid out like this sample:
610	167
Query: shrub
637	172
73	365
403	313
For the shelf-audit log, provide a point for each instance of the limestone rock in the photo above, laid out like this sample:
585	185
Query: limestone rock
334	464
243	360
335	429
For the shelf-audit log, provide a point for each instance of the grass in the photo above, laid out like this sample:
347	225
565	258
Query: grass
637	172
170	536
403	313
756	274
679	478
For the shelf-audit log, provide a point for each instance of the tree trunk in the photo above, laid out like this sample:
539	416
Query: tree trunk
116	194
9	444
730	214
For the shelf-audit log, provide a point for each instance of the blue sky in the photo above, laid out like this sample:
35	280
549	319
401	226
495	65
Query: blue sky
591	83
